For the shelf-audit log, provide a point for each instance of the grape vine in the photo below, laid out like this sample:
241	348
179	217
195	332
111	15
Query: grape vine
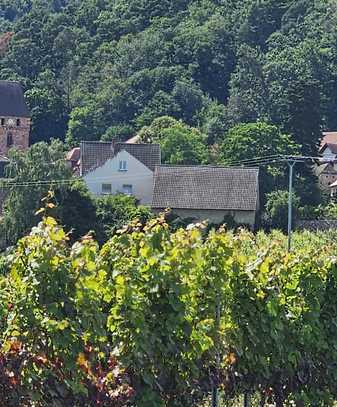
133	323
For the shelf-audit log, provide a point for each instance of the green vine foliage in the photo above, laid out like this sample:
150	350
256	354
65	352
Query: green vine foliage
156	318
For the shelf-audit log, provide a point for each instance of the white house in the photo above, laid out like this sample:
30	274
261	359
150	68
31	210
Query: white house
329	151
112	168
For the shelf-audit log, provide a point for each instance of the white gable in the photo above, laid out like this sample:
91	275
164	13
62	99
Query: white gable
136	175
327	153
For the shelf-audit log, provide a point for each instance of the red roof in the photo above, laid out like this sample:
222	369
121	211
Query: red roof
74	154
329	137
331	146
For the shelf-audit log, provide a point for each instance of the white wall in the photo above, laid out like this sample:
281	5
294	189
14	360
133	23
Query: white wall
137	175
328	154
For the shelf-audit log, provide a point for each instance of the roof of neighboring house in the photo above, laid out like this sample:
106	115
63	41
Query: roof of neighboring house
205	187
133	140
320	169
12	101
74	154
326	168
332	147
328	137
95	153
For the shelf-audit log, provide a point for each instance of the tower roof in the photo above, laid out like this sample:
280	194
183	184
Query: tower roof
12	101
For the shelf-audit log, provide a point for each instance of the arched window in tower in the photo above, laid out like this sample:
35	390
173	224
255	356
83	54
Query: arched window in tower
9	140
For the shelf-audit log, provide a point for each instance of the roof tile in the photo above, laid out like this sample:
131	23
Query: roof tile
205	187
94	154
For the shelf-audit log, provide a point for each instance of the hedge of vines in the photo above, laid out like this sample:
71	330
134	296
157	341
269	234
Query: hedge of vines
134	323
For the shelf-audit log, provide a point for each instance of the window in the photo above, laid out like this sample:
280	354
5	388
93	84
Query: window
122	166
18	122
9	140
106	189
127	189
2	122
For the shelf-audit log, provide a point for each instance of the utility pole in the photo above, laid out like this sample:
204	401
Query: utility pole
215	391
291	161
291	165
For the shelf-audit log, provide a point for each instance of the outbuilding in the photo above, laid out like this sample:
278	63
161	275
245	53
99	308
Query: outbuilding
207	192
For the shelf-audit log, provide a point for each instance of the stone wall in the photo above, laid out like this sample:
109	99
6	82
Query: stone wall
215	216
314	225
15	132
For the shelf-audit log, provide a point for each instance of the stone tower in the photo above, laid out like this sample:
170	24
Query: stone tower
14	118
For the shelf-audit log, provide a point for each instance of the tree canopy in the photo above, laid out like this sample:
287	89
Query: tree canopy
104	69
180	144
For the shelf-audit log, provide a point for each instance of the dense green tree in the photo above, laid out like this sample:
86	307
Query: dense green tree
30	176
276	212
115	211
215	122
180	144
262	19
249	97
252	141
295	93
207	50
75	209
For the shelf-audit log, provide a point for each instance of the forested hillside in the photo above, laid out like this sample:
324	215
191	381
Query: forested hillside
105	68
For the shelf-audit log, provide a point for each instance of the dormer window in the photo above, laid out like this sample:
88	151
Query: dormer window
9	140
122	165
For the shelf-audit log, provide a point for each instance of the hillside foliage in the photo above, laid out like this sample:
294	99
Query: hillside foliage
206	73
103	68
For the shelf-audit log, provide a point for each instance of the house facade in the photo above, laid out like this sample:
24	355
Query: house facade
207	193
333	189
327	174
112	168
326	170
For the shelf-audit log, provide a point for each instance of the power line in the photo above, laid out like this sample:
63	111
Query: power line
10	184
257	161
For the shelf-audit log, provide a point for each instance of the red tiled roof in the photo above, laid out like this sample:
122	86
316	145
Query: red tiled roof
329	137
74	154
133	140
331	146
